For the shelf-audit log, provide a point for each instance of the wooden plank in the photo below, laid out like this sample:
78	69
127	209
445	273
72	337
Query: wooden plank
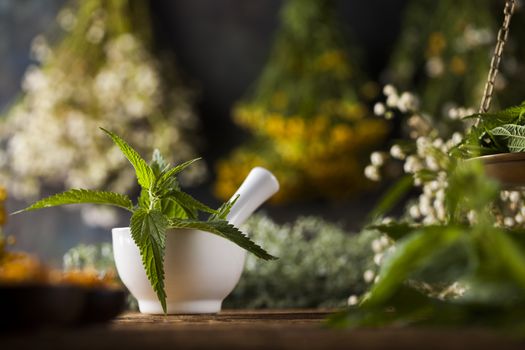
274	329
225	318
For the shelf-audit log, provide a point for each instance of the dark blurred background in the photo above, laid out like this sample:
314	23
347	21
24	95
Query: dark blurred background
220	46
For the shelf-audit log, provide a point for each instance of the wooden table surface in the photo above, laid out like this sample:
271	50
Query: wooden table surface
285	329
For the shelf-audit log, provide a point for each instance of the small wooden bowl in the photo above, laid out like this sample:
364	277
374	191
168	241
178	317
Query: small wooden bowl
507	168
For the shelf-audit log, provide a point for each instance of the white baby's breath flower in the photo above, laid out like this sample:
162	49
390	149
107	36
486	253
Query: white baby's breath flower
40	50
352	300
377	246
95	33
435	67
387	220
414	212
66	19
432	163
397	152
472	217
389	90
412	164
385	242
407	102
457	138
379	109
377	158
508	221
378	258
372	173
34	80
368	276
514	196
392	100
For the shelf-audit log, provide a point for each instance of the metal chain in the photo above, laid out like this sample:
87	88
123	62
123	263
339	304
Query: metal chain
496	58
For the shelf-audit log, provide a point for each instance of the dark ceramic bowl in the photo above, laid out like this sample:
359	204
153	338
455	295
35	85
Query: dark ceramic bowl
34	306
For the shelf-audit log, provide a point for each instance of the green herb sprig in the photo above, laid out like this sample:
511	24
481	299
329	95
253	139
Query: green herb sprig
162	205
497	132
454	273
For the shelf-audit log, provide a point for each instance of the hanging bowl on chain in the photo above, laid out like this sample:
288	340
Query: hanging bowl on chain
507	168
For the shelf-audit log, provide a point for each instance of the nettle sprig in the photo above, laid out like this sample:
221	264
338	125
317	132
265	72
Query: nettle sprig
162	205
497	132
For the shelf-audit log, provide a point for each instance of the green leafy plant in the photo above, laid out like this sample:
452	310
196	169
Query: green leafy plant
162	205
465	271
320	264
497	132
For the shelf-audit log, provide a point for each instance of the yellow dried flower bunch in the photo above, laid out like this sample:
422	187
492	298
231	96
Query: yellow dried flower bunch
3	198
309	125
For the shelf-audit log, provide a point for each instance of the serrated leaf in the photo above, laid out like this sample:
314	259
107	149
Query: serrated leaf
143	171
475	143
80	196
224	209
509	115
148	229
188	202
169	174
223	229
158	163
172	209
511	135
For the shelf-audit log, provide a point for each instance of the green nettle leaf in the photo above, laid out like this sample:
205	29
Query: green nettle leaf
226	230
172	209
145	176
158	163
511	135
224	209
79	196
148	229
481	141
169	174
511	115
187	201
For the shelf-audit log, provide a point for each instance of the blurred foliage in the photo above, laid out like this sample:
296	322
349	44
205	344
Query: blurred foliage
444	49
95	257
90	256
319	265
465	271
306	111
98	67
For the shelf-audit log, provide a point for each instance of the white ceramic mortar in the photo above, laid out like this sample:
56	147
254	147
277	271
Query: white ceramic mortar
201	268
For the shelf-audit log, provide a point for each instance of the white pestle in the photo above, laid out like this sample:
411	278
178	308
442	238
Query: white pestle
259	185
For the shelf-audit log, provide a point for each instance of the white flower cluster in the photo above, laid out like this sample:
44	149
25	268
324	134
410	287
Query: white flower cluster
511	210
51	136
380	247
427	159
474	37
428	155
